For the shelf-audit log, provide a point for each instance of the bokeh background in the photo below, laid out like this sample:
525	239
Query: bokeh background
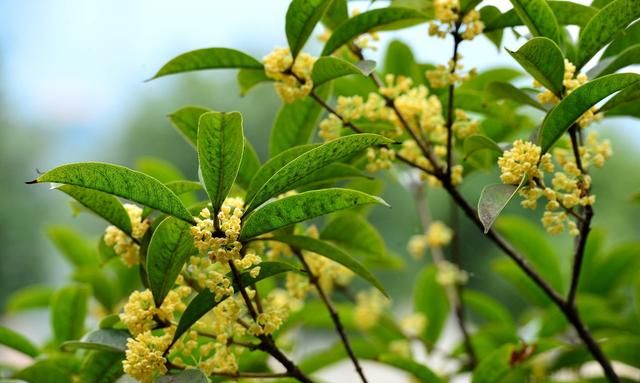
72	89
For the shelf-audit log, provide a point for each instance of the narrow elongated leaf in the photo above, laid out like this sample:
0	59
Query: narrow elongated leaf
604	26
191	375
295	122
329	68
68	312
491	15
104	289
399	60
622	41
628	97
120	181
30	297
477	142
301	207
208	58
267	269
493	199
170	247
373	20
44	371
542	59
578	102
487	307
17	342
302	17
330	173
220	148
73	246
336	14
182	187
538	17
249	78
499	90
313	160
249	165
430	299
418	370
102	204
629	56
101	367
185	120
105	340
566	12
329	251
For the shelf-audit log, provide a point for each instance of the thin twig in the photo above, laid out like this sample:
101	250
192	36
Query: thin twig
255	375
457	39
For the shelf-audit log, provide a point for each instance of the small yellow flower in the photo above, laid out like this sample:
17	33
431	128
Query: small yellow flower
293	85
438	234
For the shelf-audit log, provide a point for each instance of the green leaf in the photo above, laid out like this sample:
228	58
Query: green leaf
249	165
629	56
493	199
499	90
301	207
312	160
329	173
73	246
170	247
30	297
489	15
295	122
44	371
495	366
329	68
267	269
302	17
329	251
624	103
101	367
487	307
566	12
373	20
430	299
604	26
191	375
538	17
543	60
68	312
208	58
578	102
17	342
249	78
220	148
120	181
622	41
336	14
104	289
102	204
399	61
508	270
105	340
182	187
417	370
477	142
185	120
467	5
160	169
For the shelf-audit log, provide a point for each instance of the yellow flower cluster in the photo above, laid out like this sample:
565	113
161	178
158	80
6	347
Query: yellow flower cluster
218	248
523	159
140	309
463	126
437	235
123	244
365	41
450	275
447	13
444	75
379	158
144	357
369	307
292	79
330	128
413	324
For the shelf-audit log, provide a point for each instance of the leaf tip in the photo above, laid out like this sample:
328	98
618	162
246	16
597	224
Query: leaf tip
32	182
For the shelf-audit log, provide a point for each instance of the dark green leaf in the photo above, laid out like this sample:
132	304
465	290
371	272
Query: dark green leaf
208	58
623	40
249	78
185	120
220	148
487	307
604	26
417	370
43	371
623	102
170	247
477	142
122	182
336	14
182	187
68	312
430	299
494	367
329	68
629	56
489	14
73	246
102	204
191	375
578	102
301	207
249	165
105	340
373	20
543	60
330	173
312	160
302	17
499	90
508	270
467	5
329	251
30	297
493	199
538	17
101	367
17	342
267	269
566	12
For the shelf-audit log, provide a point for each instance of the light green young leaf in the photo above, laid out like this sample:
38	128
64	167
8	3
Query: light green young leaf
249	78
312	160
301	207
120	181
101	367
491	15
373	20
220	148
17	342
158	168
477	142
629	56
417	370
68	312
578	102
493	199
103	288
542	59
329	251
295	122
169	248
208	58
329	68
399	60
494	367
604	26
538	17
185	120
191	375
106	340
73	246
487	307
566	12
30	297
45	371
499	90
622	41
430	299
509	271
302	17
104	205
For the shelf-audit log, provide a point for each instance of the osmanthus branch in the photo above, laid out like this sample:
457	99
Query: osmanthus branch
313	278
457	39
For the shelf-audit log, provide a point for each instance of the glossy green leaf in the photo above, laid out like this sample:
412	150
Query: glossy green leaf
328	174
102	204
543	60
430	299
182	187
302	17
249	165
249	78
578	102
220	148
493	199
494	367
622	41
295	122
604	26
68	312
329	68
490	15
566	12
30	297
499	90
267	269
170	247
538	17
105	340
417	370
185	120
627	98
301	207
629	56
477	142
467	5
101	367
208	58
312	160
73	246
336	14
329	251
122	182
17	342
191	375
373	20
